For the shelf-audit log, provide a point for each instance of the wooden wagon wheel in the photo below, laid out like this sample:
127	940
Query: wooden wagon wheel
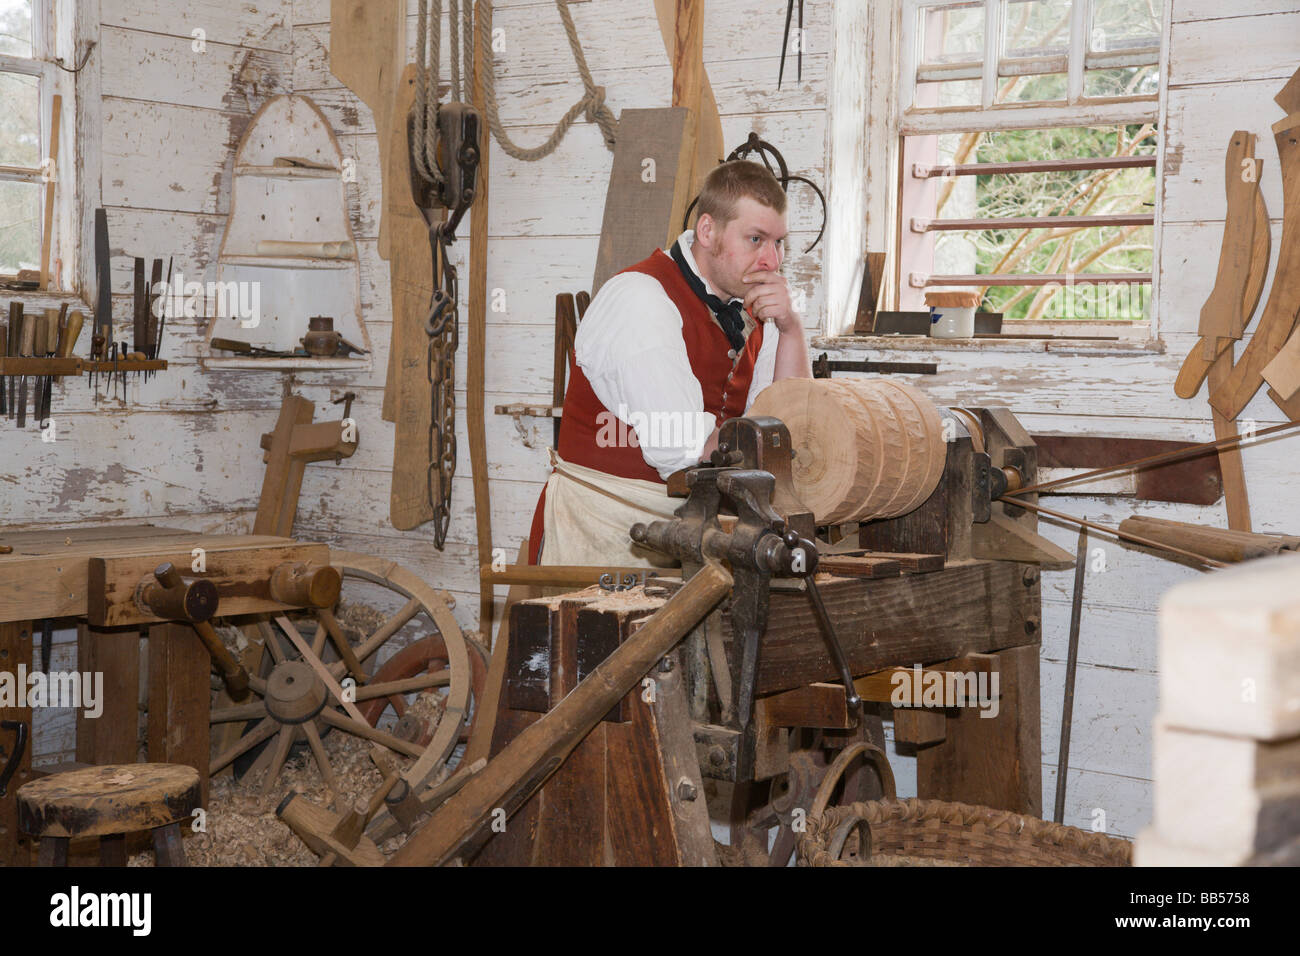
303	694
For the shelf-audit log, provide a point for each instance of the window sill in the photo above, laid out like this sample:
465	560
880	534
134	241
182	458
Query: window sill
1057	345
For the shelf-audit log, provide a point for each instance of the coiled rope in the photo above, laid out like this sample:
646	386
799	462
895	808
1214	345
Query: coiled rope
429	31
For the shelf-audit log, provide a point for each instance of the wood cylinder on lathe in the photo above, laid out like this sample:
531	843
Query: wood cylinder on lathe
864	449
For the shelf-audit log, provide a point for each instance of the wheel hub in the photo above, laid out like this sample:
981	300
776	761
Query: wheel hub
294	693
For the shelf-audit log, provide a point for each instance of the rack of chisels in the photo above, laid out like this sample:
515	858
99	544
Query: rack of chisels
38	348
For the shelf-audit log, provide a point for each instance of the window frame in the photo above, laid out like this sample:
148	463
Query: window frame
901	40
54	35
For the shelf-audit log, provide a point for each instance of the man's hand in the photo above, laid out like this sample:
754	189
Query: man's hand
768	299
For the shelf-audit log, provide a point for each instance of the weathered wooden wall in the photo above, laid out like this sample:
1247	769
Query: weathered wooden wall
184	450
1225	63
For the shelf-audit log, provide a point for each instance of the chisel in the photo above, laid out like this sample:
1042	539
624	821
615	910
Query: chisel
25	345
15	333
4	390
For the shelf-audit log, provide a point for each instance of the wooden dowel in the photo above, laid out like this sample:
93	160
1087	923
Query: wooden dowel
1136	539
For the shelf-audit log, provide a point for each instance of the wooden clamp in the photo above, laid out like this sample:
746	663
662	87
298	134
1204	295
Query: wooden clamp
195	602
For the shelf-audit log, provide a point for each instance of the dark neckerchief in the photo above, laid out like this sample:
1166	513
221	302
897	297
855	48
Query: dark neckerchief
730	316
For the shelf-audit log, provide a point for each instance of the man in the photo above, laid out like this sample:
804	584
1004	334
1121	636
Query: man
669	349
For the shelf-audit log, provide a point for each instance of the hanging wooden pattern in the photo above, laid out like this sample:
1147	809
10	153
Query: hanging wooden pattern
863	449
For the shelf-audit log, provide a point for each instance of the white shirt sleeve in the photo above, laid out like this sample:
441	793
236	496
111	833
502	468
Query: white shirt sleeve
630	347
764	364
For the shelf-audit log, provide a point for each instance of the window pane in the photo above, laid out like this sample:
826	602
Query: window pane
20	120
952	34
20	226
1036	27
16	27
948	93
1124	24
1042	88
1129	81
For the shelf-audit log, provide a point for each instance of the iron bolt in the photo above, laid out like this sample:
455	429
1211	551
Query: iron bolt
1031	626
665	665
717	756
687	790
1030	577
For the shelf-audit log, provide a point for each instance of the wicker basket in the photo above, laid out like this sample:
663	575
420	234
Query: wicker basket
956	833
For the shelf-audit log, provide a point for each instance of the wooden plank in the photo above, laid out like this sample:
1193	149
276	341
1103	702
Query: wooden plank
991	761
15	649
241	575
367	49
571	817
179	699
1221	316
408	394
968	606
114	736
919	727
859	567
638	209
815	705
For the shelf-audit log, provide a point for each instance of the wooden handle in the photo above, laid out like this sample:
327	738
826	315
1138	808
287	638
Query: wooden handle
232	672
528	760
306	585
169	596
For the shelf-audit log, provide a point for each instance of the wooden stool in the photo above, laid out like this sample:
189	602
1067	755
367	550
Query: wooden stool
110	802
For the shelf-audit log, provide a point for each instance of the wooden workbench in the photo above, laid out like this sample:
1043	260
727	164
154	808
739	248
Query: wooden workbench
88	576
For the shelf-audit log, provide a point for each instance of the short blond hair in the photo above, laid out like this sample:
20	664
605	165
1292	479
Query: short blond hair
732	181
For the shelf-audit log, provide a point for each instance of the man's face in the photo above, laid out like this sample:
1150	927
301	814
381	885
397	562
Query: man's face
754	241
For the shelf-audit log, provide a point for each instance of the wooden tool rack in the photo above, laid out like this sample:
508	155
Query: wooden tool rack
90	575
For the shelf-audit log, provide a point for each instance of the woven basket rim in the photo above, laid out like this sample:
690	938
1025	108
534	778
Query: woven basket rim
1032	831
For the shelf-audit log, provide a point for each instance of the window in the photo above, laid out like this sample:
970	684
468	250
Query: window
1027	147
30	79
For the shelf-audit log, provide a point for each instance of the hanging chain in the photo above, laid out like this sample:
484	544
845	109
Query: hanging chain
443	329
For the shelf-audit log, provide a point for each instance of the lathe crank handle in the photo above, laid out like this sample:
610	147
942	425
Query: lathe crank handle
833	643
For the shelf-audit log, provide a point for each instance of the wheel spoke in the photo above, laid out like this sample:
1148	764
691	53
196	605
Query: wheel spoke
362	729
389	628
247	742
331	627
322	759
271	642
405	686
239	712
282	745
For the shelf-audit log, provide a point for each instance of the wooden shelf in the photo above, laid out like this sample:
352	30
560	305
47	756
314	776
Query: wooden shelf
287	262
75	366
269	363
287	172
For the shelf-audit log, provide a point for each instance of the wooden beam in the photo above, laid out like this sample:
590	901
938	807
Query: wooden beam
474	360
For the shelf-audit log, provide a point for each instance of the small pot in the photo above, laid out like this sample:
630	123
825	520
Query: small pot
321	340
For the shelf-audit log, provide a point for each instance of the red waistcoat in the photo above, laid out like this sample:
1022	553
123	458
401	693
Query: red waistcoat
725	387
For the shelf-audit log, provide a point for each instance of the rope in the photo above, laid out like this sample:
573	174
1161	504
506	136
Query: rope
428	38
592	104
428	50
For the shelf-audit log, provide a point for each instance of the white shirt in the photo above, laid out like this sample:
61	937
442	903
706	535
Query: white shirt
630	347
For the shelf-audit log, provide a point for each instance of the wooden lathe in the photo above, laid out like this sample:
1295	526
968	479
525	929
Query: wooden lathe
952	585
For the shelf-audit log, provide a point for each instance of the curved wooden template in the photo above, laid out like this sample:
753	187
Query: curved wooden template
1221	314
1279	316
